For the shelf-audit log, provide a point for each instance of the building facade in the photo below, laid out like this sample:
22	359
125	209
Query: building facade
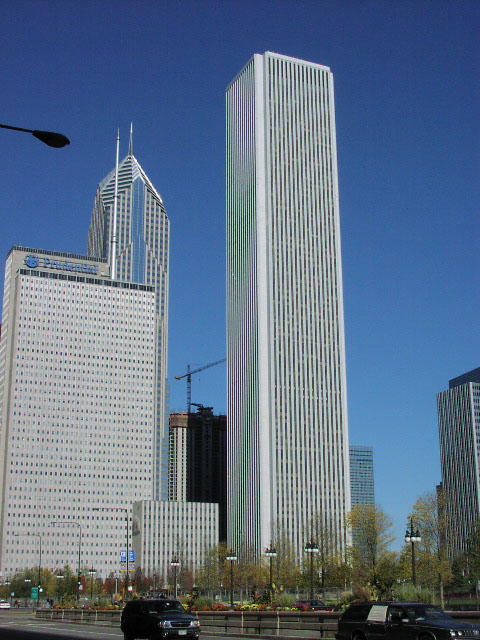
459	433
78	357
362	484
288	455
142	256
167	530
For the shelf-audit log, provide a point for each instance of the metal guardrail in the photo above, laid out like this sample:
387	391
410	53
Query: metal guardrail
314	624
82	616
260	624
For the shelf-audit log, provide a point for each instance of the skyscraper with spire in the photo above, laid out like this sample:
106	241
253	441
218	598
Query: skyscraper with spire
140	248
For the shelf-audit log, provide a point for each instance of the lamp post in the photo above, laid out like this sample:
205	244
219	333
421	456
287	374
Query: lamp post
79	548
311	548
39	557
412	536
91	573
231	558
56	140
271	553
126	522
27	581
175	564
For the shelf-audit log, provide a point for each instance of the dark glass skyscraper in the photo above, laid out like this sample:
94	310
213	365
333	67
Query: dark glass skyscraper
362	485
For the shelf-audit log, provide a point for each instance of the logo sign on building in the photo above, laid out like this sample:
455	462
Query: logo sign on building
34	262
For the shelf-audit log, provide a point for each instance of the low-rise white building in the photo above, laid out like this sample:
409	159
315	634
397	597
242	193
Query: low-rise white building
165	530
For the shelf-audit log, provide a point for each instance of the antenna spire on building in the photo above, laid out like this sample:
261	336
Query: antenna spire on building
114	242
130	148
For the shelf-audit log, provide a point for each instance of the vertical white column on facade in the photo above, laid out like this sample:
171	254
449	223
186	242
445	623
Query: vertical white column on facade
263	276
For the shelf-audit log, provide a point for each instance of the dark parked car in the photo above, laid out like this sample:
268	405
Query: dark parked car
155	619
311	605
401	621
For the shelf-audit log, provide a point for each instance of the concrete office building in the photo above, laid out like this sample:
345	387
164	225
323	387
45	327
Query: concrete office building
142	256
288	455
77	392
164	531
459	433
362	485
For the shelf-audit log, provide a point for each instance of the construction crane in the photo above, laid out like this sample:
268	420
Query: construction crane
189	375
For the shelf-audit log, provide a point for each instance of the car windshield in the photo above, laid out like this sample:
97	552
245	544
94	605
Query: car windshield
426	613
165	607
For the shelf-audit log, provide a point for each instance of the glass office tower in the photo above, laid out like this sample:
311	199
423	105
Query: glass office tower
288	454
362	484
142	256
459	433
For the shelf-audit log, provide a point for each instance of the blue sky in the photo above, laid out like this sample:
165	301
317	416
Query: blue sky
407	115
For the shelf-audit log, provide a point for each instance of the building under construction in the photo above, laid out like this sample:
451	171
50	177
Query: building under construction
197	460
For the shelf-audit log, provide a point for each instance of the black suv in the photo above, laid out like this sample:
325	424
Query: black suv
155	619
401	621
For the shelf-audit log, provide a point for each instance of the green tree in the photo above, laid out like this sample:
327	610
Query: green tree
430	516
185	579
140	582
372	563
209	573
473	553
286	572
324	534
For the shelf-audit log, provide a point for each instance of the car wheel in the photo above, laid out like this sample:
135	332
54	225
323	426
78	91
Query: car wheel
358	636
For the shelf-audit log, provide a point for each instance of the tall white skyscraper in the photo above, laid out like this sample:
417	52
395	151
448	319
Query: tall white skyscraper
288	454
142	256
459	432
78	356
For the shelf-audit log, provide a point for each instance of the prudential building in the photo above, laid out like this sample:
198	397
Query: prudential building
288	444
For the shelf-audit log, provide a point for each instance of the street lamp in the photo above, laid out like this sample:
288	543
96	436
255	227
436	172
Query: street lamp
39	557
79	548
311	548
91	573
231	558
412	537
56	140
126	521
27	581
271	553
175	564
